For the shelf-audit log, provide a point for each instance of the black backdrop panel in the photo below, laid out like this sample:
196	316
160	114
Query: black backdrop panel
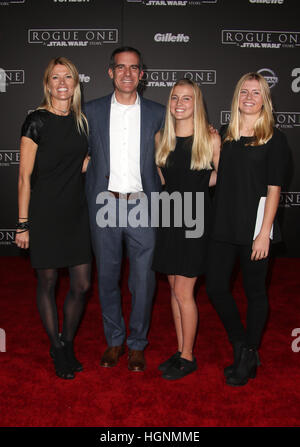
212	42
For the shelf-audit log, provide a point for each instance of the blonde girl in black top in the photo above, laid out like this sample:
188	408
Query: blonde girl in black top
252	168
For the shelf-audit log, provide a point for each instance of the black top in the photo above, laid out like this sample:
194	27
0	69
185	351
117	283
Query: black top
243	177
59	229
176	253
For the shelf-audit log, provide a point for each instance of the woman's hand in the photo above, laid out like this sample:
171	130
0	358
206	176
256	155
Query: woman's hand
22	239
213	179
260	247
85	164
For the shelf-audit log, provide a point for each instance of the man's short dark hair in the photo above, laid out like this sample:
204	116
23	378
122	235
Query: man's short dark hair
123	50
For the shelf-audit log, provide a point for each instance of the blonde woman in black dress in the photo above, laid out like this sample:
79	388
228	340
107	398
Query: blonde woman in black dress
252	168
53	217
186	153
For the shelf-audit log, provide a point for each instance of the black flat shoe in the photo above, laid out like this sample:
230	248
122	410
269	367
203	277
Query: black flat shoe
62	368
165	365
180	368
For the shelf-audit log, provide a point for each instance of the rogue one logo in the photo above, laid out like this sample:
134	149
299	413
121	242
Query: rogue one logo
261	39
7	236
287	120
289	199
8	77
283	120
167	78
9	158
269	76
171	38
72	37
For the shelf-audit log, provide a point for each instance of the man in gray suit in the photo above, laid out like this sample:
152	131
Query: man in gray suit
122	169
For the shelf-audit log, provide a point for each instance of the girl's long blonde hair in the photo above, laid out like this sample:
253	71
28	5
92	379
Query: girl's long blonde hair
263	128
81	121
202	150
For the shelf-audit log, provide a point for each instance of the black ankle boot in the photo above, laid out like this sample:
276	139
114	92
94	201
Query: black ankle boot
74	364
237	350
62	367
246	368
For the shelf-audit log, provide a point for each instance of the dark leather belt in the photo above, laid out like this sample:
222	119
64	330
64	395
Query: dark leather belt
127	195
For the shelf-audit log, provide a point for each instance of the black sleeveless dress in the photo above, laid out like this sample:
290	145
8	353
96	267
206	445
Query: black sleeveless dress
59	227
176	253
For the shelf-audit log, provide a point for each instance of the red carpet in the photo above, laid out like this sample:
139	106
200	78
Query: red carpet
32	396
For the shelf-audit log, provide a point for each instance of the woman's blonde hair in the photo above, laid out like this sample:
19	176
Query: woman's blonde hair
263	128
202	150
81	121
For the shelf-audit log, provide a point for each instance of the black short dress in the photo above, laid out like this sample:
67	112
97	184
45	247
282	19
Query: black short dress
244	174
59	227
175	253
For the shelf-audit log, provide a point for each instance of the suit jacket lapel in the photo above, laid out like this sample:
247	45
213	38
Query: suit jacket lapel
145	132
104	125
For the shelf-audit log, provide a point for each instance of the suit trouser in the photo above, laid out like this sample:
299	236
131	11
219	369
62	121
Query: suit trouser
221	260
108	246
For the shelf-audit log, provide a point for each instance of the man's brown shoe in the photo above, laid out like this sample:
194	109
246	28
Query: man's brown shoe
136	360
111	356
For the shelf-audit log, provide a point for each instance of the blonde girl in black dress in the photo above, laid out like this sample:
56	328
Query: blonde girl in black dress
186	153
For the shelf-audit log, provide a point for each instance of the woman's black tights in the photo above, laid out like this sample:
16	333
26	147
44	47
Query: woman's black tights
221	260
73	306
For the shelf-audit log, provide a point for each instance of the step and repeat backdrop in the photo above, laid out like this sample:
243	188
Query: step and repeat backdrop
213	42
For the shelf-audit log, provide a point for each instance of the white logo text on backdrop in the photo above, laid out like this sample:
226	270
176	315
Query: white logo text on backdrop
72	37
158	77
261	39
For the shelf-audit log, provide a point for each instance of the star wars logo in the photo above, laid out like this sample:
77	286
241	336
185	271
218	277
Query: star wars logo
72	37
179	3
261	39
167	78
10	77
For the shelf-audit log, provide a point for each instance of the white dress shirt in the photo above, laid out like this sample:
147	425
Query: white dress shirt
124	131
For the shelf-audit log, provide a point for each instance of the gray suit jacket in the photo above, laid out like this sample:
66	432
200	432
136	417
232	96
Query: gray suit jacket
97	176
